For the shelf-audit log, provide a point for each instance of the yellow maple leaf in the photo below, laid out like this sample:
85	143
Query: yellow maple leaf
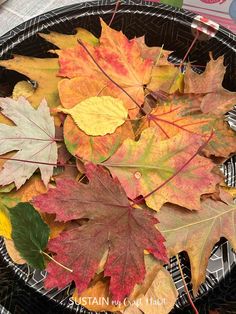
64	41
98	115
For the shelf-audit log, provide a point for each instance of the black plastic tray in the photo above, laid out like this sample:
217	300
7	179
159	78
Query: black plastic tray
162	25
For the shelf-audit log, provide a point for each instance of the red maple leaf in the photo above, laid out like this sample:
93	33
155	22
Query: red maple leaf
113	226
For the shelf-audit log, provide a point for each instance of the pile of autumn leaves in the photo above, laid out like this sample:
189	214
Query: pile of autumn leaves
128	148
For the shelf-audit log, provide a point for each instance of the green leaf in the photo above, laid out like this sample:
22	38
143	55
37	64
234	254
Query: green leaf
29	233
174	3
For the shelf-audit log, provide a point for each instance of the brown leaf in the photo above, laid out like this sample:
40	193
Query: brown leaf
197	232
219	102
160	297
209	81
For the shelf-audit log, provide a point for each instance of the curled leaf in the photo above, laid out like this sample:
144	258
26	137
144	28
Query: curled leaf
22	88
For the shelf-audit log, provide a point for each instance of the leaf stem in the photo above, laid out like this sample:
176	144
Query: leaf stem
59	264
185	286
140	200
114	82
114	12
185	57
38	162
189	49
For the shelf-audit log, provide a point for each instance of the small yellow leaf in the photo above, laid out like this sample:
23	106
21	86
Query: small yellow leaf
98	115
22	88
5	224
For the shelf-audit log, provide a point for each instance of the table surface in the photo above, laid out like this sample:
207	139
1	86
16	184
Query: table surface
13	13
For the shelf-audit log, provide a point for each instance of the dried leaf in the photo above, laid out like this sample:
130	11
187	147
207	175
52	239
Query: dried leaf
22	88
72	91
160	297
118	56
174	117
210	81
33	138
104	203
144	165
218	103
98	115
64	41
43	71
197	232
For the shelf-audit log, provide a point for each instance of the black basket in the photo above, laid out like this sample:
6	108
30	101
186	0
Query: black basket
161	24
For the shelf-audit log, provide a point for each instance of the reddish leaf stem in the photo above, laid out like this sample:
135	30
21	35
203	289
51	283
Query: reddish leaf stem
154	119
114	12
140	200
39	162
186	287
185	56
189	49
114	82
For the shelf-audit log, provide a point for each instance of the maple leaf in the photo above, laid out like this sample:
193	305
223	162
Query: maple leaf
113	226
33	136
157	54
98	115
213	75
197	232
119	57
175	117
143	166
43	71
64	41
72	91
